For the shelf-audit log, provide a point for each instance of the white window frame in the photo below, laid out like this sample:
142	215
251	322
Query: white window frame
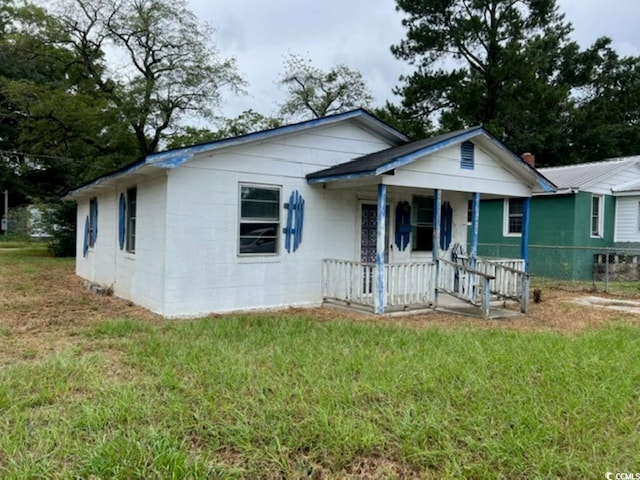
93	222
277	222
505	219
130	220
600	232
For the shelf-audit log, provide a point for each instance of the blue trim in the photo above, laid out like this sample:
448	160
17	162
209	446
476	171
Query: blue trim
475	227
380	244
122	211
437	219
175	158
524	239
446	224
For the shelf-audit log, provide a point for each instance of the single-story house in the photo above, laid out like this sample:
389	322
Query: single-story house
343	208
595	209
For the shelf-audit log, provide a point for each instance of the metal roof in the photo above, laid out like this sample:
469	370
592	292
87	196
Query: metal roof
584	175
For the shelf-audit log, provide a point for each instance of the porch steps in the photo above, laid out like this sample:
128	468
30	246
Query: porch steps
450	304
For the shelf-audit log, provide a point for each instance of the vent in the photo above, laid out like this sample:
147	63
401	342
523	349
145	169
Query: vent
467	155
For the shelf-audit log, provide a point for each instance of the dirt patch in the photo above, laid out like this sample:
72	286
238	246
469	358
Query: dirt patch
42	310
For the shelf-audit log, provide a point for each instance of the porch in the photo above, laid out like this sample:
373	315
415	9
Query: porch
421	285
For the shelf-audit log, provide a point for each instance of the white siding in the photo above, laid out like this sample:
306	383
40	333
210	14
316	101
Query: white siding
98	265
627	228
204	272
442	170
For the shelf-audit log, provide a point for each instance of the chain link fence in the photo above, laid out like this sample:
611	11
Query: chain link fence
611	269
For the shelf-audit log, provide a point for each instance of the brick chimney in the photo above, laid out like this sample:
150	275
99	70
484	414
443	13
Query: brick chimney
530	159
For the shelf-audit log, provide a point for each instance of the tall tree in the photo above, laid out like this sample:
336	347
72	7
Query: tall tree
314	93
606	119
501	63
171	68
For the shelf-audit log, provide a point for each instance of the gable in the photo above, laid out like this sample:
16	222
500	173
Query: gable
448	169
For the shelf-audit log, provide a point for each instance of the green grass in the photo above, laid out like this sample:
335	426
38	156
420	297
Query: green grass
258	396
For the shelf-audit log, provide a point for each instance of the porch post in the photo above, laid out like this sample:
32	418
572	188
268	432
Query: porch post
524	239
524	253
380	295
437	205
475	228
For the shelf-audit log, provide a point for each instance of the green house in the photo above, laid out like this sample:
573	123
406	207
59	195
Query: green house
594	211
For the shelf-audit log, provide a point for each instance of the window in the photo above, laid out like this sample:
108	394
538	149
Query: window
469	212
596	216
467	154
132	194
513	216
259	219
422	228
93	221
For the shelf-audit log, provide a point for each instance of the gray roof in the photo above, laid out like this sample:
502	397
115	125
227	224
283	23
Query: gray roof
584	175
375	163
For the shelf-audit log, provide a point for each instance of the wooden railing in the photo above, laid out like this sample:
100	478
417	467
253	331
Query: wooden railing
509	276
354	282
467	283
413	283
351	282
410	283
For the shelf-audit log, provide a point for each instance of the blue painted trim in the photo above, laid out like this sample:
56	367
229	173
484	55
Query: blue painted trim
287	229
437	218
122	212
437	205
475	227
175	158
381	289
524	239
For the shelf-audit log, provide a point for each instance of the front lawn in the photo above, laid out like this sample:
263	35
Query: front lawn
297	396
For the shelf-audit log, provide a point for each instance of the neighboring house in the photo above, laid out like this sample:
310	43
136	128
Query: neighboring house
341	208
596	206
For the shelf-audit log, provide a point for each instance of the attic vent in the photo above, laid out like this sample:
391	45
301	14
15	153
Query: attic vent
467	155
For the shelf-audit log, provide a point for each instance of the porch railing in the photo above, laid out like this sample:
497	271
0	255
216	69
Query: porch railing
413	283
354	282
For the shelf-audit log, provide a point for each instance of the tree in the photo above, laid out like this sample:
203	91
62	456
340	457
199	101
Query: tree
500	63
171	68
247	122
606	119
314	93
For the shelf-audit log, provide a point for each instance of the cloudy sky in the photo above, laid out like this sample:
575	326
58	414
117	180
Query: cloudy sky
260	33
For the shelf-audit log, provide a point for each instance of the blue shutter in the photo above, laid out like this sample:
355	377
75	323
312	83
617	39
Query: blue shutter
446	225
295	219
122	220
467	153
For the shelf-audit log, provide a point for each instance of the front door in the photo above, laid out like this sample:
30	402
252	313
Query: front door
368	241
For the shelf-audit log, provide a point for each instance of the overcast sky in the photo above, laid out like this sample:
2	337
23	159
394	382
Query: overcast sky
260	33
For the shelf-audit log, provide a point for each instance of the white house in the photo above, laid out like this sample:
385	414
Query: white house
342	208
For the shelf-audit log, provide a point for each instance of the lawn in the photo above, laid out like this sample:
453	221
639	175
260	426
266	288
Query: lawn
92	387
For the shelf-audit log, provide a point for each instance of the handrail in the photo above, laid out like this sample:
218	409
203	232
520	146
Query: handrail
468	269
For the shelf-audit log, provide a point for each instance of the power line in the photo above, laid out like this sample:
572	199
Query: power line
35	155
